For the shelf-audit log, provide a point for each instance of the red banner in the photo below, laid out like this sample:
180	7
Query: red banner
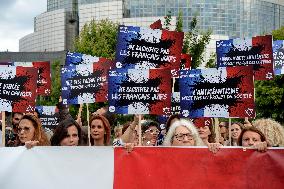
198	168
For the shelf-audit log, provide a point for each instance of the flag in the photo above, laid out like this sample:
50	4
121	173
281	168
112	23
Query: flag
133	91
48	116
256	51
143	168
278	57
224	92
144	48
18	88
84	83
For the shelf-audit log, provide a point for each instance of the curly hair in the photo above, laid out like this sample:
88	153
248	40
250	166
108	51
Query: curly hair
106	127
189	125
273	131
39	131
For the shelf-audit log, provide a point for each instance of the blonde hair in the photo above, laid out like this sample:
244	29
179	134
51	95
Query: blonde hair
273	131
185	123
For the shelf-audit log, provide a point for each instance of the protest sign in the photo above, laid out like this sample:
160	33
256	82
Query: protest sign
156	25
223	92
202	122
143	91
144	48
48	116
17	88
185	62
75	58
44	77
256	51
175	108
278	57
84	83
6	64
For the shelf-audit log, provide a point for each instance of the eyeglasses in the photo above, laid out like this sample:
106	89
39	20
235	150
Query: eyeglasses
25	129
152	131
180	137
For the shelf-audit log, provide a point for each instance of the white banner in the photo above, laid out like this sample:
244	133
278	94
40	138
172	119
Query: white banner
56	167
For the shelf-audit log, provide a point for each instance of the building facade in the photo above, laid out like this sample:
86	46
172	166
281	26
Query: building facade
226	18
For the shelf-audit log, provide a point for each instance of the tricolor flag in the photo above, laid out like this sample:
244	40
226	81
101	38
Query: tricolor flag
48	116
143	168
224	92
143	91
18	88
139	47
84	83
256	51
278	57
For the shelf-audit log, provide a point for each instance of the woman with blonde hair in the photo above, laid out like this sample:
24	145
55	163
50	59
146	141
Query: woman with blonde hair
273	131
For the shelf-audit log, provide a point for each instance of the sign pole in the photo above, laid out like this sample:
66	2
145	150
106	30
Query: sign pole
230	133
89	126
217	133
139	130
3	128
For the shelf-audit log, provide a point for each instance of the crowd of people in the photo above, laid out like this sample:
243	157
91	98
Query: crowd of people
27	130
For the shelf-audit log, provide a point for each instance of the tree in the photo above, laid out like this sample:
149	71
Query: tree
195	41
278	34
98	38
270	94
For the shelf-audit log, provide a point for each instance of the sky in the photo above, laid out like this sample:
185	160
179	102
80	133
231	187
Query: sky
17	21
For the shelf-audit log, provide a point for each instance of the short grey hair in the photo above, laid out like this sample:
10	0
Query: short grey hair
185	123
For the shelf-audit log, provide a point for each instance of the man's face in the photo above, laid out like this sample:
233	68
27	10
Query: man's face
16	119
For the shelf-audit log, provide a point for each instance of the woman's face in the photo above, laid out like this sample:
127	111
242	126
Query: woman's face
204	132
151	133
26	130
236	131
72	138
182	137
97	129
250	138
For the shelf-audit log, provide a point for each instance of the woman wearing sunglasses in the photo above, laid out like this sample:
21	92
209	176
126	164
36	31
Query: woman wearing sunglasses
150	133
31	133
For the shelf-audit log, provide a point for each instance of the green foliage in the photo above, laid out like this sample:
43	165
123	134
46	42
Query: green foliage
211	63
270	94
278	34
168	19
179	23
98	38
270	98
195	44
195	41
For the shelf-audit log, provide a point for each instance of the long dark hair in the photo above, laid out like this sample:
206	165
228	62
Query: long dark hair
61	131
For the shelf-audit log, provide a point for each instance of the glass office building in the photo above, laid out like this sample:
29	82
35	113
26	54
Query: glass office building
230	18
